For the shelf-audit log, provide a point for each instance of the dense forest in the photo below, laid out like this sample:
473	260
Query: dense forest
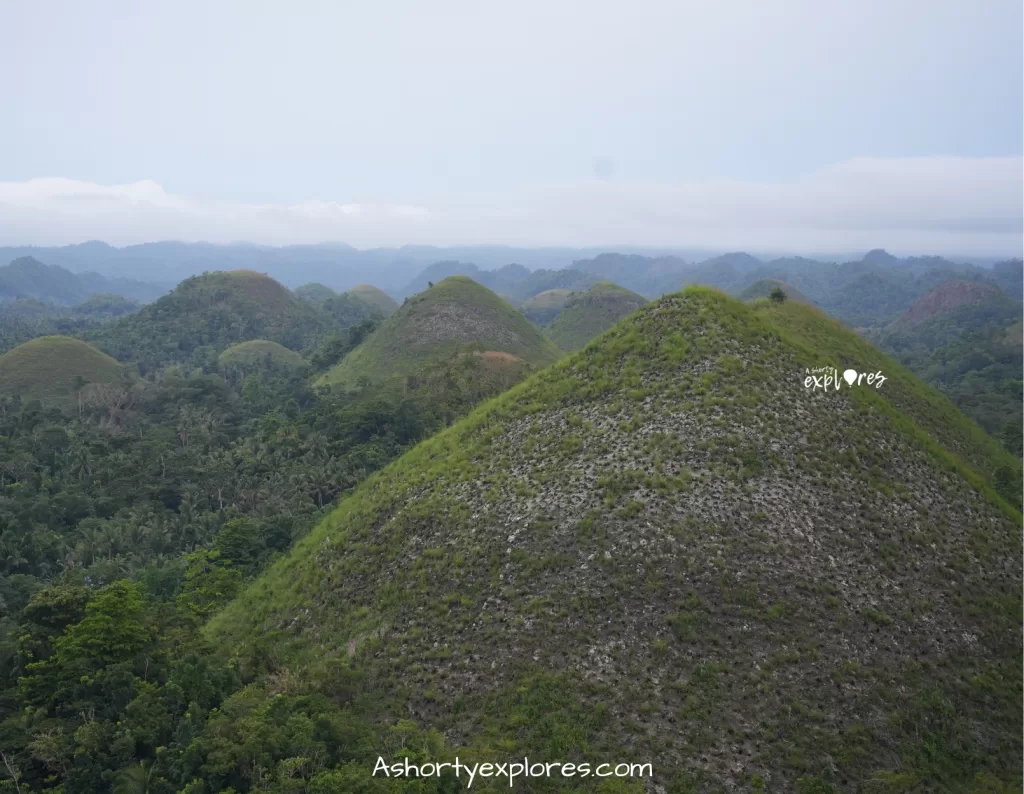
129	516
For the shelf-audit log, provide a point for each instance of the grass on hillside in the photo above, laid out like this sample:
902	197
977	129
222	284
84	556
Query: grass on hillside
256	351
588	314
831	344
847	690
53	368
438	322
376	297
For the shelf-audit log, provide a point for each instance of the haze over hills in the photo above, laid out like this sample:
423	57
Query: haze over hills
341	267
667	546
27	277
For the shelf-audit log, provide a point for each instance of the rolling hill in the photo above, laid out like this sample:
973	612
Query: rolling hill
666	548
588	314
950	297
376	297
544	307
257	351
206	314
314	292
436	323
53	368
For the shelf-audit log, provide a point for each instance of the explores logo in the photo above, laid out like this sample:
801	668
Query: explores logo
829	377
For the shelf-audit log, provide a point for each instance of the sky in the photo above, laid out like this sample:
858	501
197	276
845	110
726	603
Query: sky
795	125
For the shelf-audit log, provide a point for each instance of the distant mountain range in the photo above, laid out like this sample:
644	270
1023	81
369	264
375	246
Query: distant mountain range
27	277
341	266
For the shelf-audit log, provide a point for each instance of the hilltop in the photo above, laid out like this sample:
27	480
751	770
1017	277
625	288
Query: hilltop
375	297
542	308
588	314
762	288
53	369
206	314
314	292
437	323
257	351
667	548
950	296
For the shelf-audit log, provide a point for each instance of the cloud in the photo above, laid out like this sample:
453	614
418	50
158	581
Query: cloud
907	205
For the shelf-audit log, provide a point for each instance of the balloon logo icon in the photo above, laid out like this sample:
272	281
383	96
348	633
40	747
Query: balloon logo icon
850	376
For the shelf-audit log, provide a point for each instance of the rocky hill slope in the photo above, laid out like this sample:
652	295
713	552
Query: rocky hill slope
668	548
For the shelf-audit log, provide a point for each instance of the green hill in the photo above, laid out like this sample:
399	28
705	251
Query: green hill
207	314
256	351
954	307
541	309
314	292
665	548
53	368
762	288
376	297
588	314
437	323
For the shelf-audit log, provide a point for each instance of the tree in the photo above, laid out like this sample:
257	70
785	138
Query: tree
777	295
210	582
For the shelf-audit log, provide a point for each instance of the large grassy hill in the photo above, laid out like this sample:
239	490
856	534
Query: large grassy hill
436	323
53	368
588	314
666	548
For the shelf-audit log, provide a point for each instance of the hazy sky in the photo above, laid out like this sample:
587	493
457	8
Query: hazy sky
788	124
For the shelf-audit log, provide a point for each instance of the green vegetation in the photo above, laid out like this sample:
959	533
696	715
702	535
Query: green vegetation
929	410
544	307
207	314
257	351
660	548
53	369
665	547
765	287
27	277
376	297
964	339
314	292
436	324
588	314
105	304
